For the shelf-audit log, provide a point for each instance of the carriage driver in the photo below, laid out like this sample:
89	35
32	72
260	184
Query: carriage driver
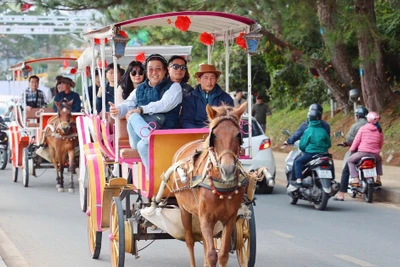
34	98
66	93
193	114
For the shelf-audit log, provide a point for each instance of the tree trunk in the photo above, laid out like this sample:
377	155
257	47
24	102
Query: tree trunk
375	89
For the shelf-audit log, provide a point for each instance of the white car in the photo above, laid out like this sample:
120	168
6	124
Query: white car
261	154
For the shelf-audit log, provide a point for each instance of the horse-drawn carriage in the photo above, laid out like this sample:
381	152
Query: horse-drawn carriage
196	188
28	130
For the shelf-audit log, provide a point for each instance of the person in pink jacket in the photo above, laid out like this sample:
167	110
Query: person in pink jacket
368	143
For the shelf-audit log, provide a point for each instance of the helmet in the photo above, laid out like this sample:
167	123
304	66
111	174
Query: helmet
314	115
361	112
316	107
373	117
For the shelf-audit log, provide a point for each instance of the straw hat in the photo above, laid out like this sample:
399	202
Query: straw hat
67	80
205	68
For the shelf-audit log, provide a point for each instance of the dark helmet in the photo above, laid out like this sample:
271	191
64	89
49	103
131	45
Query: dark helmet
316	107
361	112
314	115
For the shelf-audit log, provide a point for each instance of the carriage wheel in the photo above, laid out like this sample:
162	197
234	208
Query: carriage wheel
31	167
14	173
246	240
121	234
25	170
94	237
83	192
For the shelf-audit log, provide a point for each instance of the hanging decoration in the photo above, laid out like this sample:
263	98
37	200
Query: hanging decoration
240	41
100	64
141	57
25	7
182	23
98	41
72	71
206	38
87	71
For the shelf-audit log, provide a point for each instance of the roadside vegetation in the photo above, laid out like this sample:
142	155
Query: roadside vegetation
291	119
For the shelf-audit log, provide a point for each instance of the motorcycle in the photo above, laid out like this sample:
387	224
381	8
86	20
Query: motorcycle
318	184
3	144
366	168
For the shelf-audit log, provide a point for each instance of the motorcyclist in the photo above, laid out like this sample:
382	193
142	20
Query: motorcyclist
299	132
361	113
315	140
368	143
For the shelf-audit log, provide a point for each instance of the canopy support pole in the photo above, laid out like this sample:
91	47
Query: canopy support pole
226	42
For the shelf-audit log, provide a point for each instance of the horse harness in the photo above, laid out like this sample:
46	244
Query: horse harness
57	125
205	179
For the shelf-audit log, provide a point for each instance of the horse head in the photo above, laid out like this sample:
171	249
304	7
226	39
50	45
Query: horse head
64	108
225	138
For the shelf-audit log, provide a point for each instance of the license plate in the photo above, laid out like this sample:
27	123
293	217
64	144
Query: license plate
324	174
369	172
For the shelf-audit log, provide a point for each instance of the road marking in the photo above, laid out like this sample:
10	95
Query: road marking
354	260
10	253
282	234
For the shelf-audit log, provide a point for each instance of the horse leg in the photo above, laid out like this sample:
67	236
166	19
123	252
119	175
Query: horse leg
55	164
223	254
187	224
71	157
61	161
210	254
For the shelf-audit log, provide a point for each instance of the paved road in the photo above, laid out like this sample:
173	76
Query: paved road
40	227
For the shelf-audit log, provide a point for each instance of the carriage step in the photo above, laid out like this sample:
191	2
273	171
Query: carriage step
129	153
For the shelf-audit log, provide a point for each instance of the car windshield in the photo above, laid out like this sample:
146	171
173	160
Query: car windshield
255	128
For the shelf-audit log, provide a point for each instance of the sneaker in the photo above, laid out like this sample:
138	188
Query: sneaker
292	188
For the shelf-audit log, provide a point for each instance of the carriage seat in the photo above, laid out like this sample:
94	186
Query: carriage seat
33	116
129	153
123	134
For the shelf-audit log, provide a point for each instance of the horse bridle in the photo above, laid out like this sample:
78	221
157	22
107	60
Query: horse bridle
214	159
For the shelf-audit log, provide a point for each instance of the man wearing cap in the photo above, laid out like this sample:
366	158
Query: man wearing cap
66	93
34	98
193	113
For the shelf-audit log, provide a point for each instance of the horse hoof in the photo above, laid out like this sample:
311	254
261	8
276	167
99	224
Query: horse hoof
60	189
57	186
71	190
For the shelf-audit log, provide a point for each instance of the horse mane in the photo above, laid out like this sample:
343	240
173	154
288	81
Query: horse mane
222	111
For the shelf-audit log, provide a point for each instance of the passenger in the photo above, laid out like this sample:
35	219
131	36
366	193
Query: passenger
368	143
314	140
178	72
34	98
361	114
109	88
156	100
193	114
66	93
133	76
54	90
90	88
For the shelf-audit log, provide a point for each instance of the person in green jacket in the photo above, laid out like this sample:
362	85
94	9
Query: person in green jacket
315	140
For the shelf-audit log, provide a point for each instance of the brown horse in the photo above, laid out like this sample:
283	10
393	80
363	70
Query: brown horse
217	183
61	136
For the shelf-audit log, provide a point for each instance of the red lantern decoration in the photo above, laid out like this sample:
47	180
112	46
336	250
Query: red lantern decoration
182	23
141	57
25	7
123	34
98	41
28	68
72	71
15	73
100	64
65	64
240	41
87	71
206	38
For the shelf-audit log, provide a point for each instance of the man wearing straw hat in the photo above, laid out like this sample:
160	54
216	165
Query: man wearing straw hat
66	93
193	113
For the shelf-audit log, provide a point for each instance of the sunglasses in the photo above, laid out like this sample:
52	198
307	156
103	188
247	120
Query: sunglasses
134	72
177	66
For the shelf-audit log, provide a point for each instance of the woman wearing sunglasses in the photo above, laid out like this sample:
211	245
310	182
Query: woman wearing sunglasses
133	76
155	101
179	73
